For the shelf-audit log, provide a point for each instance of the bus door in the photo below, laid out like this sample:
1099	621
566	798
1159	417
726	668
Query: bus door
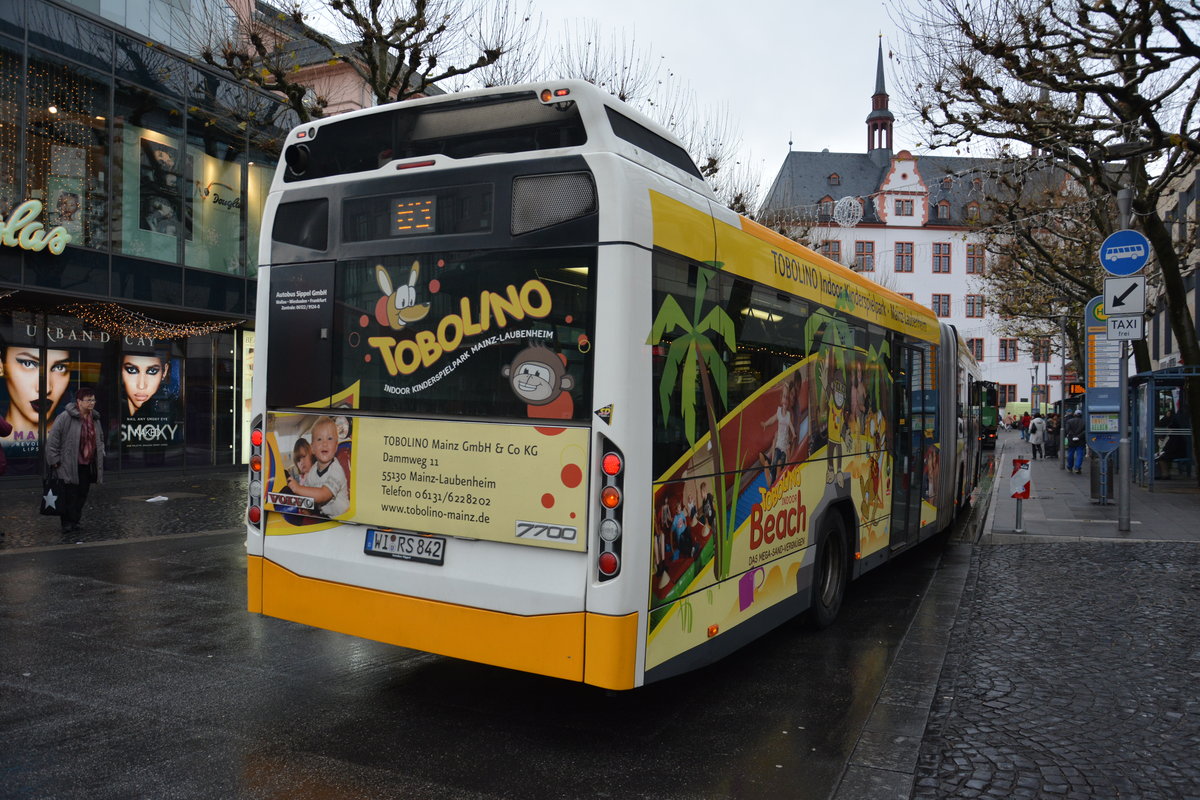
906	465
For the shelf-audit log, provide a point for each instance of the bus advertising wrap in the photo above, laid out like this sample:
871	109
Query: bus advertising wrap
523	484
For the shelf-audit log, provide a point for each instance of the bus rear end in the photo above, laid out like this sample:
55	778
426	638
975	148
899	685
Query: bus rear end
425	469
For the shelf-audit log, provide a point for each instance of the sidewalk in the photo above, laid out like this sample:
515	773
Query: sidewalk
196	502
1061	508
1069	652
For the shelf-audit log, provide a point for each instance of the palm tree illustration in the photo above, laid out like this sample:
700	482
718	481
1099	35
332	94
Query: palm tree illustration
693	362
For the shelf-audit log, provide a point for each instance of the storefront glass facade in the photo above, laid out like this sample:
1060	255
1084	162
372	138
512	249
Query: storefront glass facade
131	187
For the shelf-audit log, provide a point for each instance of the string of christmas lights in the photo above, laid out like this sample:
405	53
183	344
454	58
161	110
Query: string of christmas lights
122	321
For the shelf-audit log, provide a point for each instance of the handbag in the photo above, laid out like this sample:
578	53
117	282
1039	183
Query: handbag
52	496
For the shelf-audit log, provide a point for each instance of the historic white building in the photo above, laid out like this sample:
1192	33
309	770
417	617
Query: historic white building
906	221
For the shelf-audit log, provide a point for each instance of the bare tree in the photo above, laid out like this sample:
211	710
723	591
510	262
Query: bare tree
1110	90
397	48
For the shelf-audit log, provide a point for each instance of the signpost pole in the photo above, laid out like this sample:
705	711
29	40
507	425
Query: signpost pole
1123	479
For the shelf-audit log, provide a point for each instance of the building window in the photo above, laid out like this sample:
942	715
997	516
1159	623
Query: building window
1008	349
825	207
904	208
943	210
831	248
977	184
835	179
947	183
975	345
1007	393
906	295
974	259
972	212
904	256
864	256
941	256
941	305
974	305
1040	349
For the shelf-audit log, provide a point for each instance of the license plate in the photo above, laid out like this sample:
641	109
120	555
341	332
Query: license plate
406	546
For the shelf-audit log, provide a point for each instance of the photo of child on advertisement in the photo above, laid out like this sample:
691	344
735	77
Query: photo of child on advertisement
311	476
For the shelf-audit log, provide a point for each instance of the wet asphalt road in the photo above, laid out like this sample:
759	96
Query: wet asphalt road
131	669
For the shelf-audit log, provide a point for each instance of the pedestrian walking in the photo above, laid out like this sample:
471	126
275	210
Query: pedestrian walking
1037	435
75	453
1073	433
1025	418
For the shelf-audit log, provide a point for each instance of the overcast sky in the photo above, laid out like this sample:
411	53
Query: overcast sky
786	69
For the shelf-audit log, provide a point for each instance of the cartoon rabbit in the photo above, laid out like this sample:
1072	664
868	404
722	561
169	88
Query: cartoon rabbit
399	306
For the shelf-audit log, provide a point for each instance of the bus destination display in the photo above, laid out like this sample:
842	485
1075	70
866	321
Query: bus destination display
412	215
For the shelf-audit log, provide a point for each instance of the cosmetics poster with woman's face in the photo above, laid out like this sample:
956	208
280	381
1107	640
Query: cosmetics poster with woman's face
149	397
22	403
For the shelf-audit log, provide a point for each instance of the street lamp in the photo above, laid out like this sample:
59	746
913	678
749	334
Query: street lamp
1034	389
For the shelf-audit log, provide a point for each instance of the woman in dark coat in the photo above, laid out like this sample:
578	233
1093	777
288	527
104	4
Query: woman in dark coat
75	453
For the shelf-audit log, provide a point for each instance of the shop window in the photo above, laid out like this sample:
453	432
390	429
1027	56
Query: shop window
66	154
213	183
11	97
149	177
69	35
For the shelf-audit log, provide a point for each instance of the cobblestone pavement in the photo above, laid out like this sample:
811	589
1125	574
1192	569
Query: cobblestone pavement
119	509
1073	656
1073	674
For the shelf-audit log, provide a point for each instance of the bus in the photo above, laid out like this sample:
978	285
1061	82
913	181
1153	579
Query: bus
988	401
528	395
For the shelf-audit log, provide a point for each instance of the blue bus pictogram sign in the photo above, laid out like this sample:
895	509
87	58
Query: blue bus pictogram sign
1124	252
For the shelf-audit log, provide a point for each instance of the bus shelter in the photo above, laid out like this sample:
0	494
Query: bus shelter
1162	426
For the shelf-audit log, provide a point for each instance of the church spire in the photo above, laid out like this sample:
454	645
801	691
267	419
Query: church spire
879	121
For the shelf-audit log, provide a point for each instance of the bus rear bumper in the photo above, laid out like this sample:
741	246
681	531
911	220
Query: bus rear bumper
546	644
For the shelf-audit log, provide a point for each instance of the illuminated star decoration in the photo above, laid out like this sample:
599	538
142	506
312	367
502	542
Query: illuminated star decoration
50	500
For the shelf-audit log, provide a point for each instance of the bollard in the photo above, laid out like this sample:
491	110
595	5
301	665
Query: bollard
1020	484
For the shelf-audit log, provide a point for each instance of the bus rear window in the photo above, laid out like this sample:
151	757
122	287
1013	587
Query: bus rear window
510	123
487	334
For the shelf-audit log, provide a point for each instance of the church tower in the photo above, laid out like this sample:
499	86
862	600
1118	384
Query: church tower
879	121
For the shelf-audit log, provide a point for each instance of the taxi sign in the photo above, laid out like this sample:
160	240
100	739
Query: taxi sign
1124	252
1126	328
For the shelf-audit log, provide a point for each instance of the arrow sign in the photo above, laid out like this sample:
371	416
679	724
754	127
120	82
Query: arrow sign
1125	295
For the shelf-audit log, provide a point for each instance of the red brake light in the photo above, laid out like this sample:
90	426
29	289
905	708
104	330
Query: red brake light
256	438
255	514
611	464
256	463
561	92
413	164
608	563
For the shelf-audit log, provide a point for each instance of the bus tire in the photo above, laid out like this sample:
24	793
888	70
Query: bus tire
831	571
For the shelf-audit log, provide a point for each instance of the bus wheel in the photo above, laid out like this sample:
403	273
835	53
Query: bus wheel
830	573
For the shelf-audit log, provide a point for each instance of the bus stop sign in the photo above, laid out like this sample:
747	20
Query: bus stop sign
1124	252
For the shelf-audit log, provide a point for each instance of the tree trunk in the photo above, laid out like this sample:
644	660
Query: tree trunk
720	541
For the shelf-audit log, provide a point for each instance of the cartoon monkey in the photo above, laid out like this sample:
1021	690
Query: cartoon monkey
399	306
539	376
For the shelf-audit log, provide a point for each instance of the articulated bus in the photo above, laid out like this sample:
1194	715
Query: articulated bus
528	395
988	399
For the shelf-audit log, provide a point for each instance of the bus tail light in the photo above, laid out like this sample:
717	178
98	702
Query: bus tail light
254	509
612	474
